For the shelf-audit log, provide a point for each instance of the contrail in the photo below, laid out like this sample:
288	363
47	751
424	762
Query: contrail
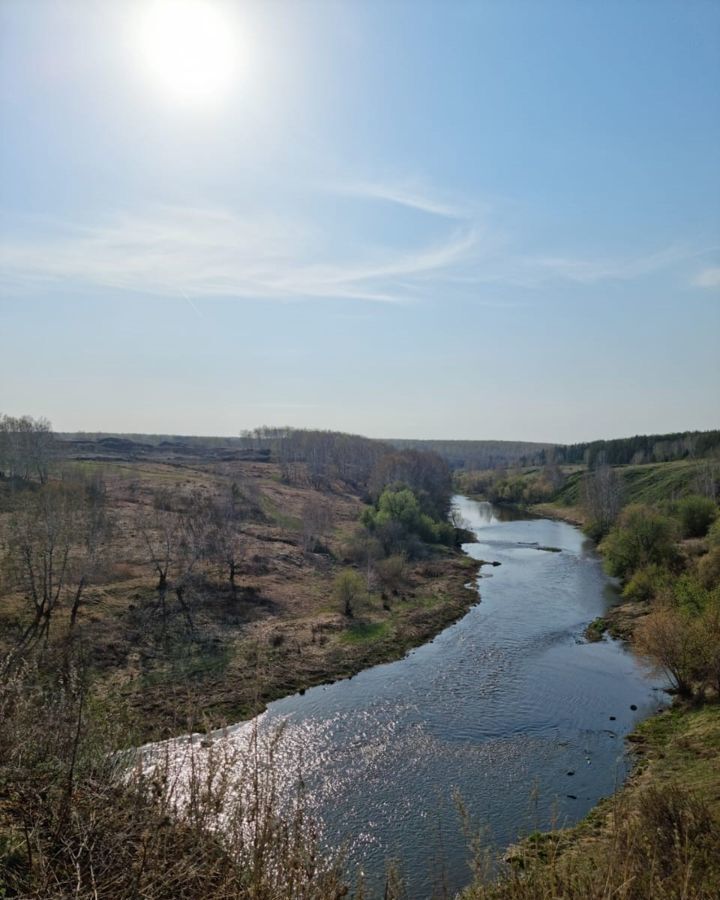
191	304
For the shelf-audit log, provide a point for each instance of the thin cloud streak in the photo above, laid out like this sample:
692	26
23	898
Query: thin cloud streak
401	194
206	253
589	271
211	253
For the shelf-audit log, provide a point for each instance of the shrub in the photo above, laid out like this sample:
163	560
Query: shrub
641	538
688	593
709	625
672	639
80	819
709	568
696	515
713	535
646	583
391	572
349	590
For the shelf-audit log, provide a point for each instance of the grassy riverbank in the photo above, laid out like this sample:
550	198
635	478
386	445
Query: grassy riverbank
659	836
656	839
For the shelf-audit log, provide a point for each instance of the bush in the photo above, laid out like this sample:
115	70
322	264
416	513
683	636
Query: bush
646	583
642	537
672	639
709	569
349	590
688	593
391	572
709	626
713	535
399	522
696	515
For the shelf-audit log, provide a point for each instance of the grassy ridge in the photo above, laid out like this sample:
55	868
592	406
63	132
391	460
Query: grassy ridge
648	483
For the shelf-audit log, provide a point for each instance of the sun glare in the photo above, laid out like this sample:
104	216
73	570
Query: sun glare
190	48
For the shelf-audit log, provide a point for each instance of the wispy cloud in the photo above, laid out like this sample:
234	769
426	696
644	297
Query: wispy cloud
591	271
211	253
195	253
403	193
708	278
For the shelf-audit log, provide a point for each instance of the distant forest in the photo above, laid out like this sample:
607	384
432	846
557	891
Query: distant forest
481	454
635	450
294	445
640	449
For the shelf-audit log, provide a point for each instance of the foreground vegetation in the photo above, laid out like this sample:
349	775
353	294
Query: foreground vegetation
657	838
171	590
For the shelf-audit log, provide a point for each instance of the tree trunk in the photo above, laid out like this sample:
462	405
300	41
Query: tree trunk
76	603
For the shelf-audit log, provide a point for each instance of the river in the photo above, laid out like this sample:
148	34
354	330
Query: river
509	708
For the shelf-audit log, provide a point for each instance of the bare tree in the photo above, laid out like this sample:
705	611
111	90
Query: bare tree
317	521
193	547
26	447
602	496
57	540
225	540
161	534
707	478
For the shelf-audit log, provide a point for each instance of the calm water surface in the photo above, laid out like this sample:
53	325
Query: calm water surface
499	708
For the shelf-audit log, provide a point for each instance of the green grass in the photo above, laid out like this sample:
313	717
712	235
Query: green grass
191	663
684	745
596	629
654	483
363	632
292	523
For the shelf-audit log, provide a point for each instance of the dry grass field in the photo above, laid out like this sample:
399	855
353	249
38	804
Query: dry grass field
224	653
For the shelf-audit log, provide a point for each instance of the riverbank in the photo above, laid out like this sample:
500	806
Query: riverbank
284	656
656	838
659	835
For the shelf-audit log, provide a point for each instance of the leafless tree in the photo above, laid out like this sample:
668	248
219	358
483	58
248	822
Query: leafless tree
57	539
195	521
26	447
707	478
674	641
317	521
225	539
602	496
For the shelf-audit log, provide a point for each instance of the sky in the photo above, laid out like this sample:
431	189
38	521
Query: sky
477	220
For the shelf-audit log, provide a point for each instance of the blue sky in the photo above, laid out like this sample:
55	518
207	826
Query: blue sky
447	219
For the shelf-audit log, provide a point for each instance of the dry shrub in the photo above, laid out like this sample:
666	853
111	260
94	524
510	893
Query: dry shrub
78	819
672	639
662	845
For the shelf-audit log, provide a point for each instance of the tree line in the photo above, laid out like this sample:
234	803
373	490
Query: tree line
27	447
640	449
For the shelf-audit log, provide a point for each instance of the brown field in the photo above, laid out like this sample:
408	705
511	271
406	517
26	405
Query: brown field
281	631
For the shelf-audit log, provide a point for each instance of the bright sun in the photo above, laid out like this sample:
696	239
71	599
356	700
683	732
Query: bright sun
190	48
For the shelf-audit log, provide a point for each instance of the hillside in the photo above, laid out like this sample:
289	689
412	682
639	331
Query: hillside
478	454
201	650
